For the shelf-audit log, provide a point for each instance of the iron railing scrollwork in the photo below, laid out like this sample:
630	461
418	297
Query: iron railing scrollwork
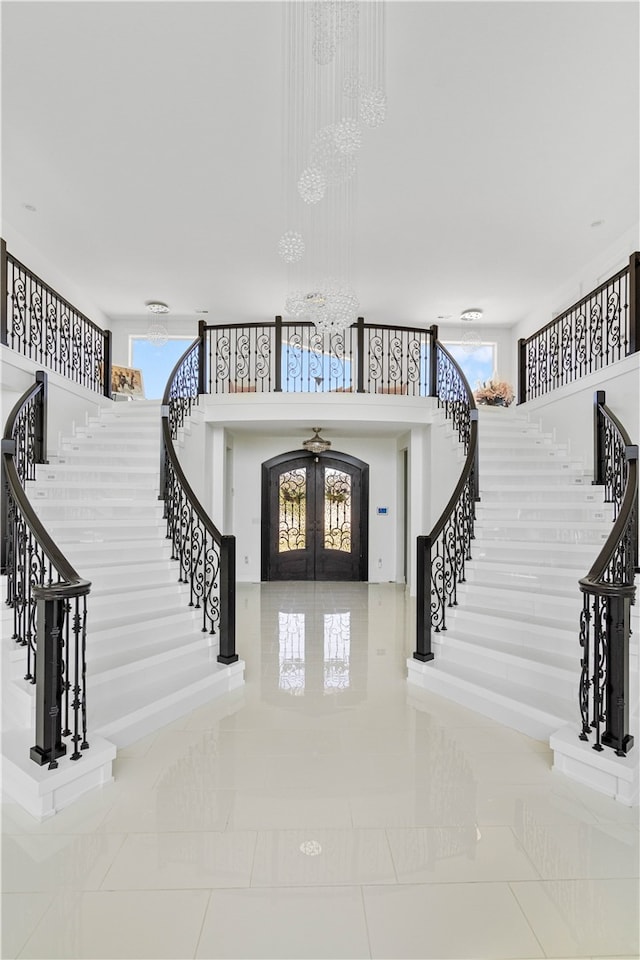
40	324
48	598
609	590
599	330
297	357
206	558
443	554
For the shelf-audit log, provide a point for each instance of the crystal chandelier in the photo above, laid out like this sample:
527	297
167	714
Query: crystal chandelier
333	95
470	338
157	332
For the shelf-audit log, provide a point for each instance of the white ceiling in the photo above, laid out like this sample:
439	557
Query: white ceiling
147	135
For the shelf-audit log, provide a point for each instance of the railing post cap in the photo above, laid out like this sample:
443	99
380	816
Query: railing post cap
631	452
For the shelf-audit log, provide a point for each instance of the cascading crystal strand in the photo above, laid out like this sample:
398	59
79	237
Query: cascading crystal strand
333	92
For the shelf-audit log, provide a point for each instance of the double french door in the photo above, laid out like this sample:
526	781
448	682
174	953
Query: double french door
314	517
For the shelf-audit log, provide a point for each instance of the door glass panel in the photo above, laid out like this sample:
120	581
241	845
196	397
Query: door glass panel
337	510
291	654
337	651
292	498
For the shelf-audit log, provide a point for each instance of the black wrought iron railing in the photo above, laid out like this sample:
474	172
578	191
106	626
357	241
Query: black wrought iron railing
442	555
41	325
599	330
48	598
609	590
297	357
206	558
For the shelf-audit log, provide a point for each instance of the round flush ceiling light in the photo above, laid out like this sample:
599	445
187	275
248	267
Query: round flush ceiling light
471	314
156	306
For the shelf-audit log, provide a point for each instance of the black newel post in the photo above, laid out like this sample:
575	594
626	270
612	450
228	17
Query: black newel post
106	386
360	356
599	452
4	306
522	371
49	680
8	448
474	417
423	606
617	689
634	303
227	652
433	362
41	418
278	370
162	491
202	357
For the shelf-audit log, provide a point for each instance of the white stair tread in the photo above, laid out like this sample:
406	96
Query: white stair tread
536	703
522	653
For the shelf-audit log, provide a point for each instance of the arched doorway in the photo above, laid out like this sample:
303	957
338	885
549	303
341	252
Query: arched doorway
315	510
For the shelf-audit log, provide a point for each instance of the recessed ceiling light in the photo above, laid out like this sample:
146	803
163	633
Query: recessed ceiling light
202	311
156	306
474	314
443	316
597	223
311	848
30	207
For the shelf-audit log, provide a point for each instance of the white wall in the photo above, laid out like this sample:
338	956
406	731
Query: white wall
568	412
34	260
68	403
123	329
251	450
589	276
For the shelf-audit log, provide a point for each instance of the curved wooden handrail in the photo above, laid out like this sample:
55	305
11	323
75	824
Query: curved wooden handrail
471	452
433	594
53	553
593	582
206	557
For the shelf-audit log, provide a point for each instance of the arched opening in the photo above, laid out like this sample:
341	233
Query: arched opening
315	510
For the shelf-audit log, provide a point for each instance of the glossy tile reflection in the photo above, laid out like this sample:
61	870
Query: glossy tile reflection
327	810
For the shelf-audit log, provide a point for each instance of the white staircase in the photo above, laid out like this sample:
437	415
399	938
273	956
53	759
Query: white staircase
148	660
511	647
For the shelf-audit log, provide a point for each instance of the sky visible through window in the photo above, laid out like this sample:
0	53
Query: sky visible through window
478	364
156	363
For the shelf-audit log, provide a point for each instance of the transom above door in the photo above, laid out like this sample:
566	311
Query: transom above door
315	517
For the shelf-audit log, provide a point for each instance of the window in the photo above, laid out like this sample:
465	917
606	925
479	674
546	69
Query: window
478	362
156	362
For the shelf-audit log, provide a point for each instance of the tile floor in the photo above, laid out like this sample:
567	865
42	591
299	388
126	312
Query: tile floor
326	810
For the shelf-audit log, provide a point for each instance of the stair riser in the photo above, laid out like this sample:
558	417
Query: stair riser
121	620
528	605
116	586
104	553
565	515
525	675
575	495
524	534
99	459
561	637
62	512
84	530
107	494
147	660
138	605
538	724
128	439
